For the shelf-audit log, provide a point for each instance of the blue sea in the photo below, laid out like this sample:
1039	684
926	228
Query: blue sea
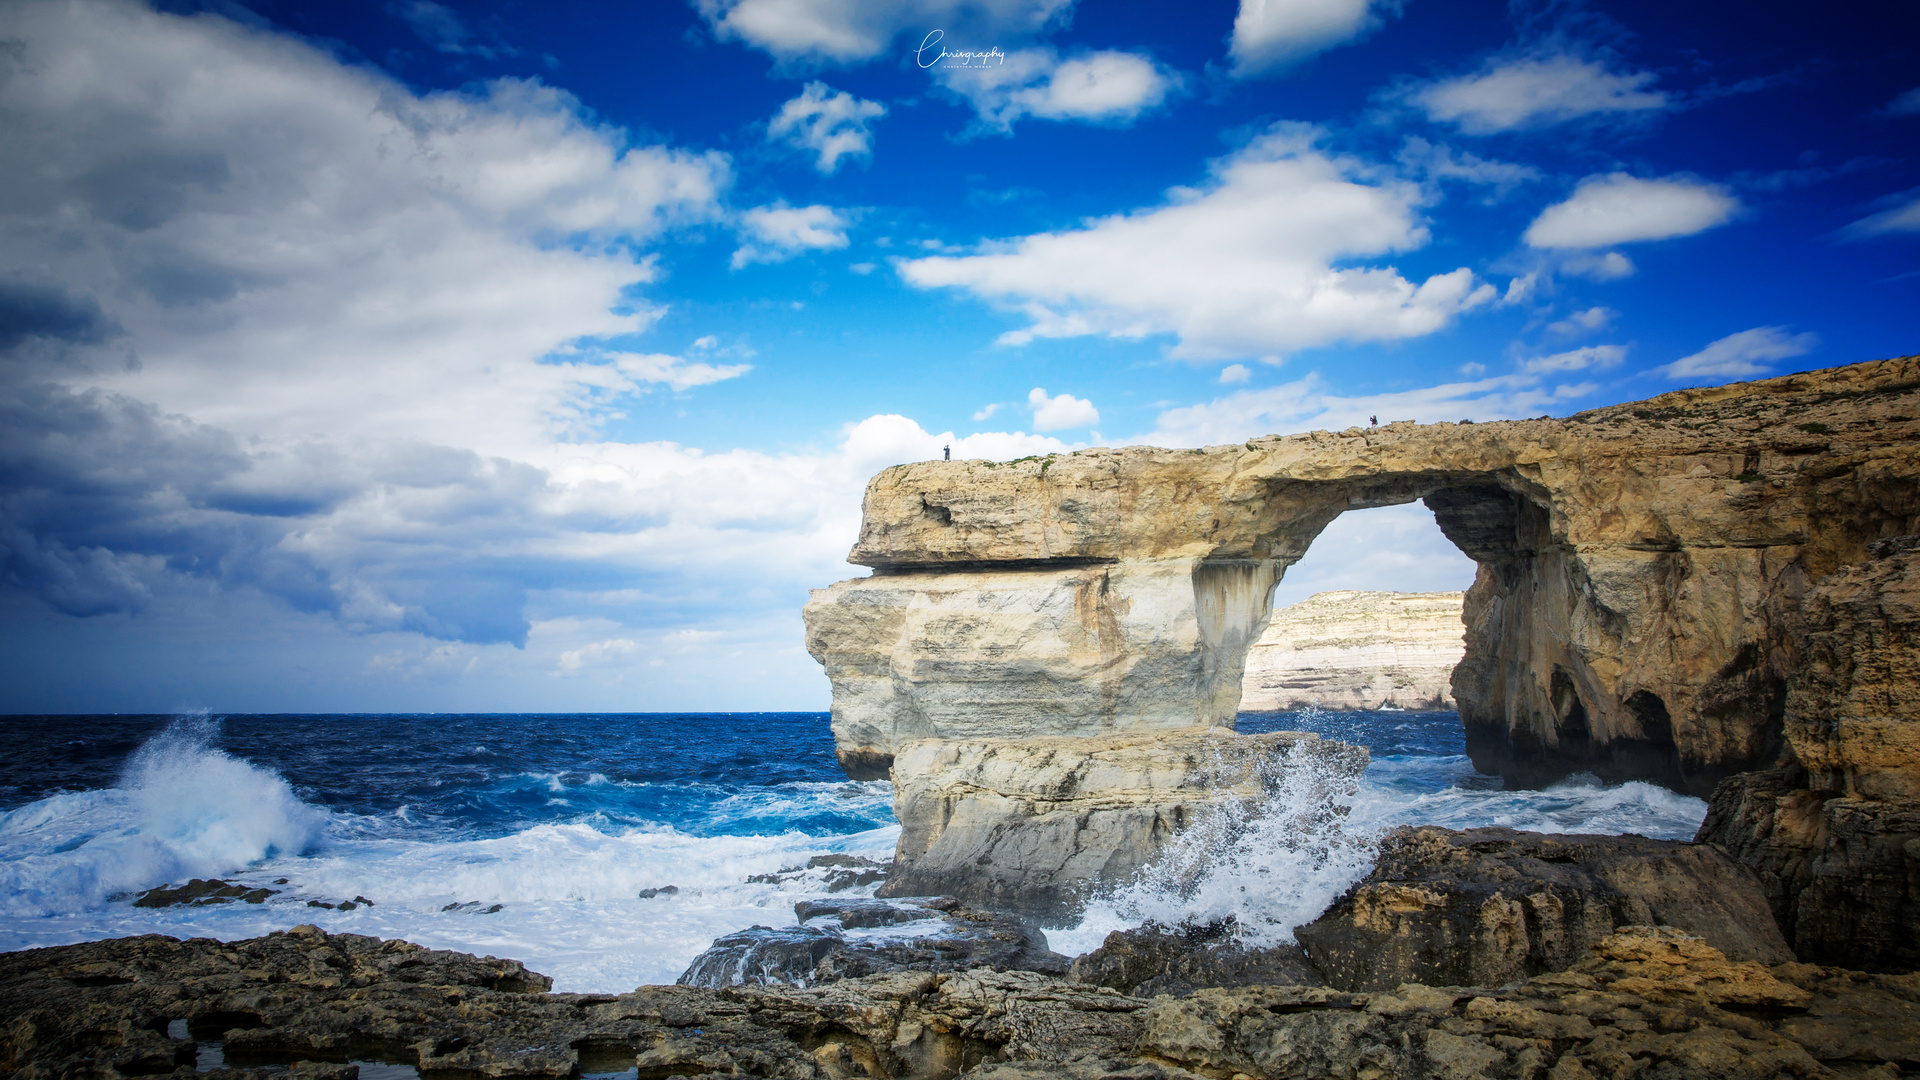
609	850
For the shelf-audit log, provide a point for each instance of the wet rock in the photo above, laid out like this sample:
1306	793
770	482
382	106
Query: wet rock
845	939
200	892
834	873
664	890
1485	907
1155	960
1034	826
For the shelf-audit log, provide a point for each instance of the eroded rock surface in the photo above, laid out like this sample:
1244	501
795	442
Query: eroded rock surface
1485	907
1635	612
1646	1003
1156	960
1358	650
1033	826
1834	834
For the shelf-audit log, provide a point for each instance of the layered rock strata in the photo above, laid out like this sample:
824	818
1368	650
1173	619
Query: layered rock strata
1034	826
1834	833
1357	650
1635	612
1646	1002
1485	907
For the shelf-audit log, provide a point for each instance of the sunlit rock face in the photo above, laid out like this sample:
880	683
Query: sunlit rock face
1635	614
1357	650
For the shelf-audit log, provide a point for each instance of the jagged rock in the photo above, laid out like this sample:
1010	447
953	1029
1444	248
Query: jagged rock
200	892
1155	960
1034	826
1358	650
1648	1002
1834	834
1485	907
838	873
927	934
1635	614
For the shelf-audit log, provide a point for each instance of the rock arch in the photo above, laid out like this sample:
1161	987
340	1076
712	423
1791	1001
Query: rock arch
1634	612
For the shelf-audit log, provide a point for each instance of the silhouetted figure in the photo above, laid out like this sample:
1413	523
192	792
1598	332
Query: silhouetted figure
946	453
1373	421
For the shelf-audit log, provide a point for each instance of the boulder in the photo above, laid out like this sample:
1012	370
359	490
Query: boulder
1635	613
1486	907
1357	650
848	939
1156	960
1035	826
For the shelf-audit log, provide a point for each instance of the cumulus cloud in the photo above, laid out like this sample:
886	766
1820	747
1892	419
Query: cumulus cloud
832	124
853	31
1902	215
778	232
1592	356
1244	265
1235	373
1270	34
986	412
1603	266
1061	411
1620	209
1583	322
597	654
1308	403
1517	93
1437	161
1749	352
675	371
1108	87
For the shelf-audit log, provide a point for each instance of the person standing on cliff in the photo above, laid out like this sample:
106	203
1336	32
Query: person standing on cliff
946	453
1373	421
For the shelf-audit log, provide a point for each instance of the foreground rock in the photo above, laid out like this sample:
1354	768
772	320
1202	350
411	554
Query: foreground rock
1358	650
1834	834
1635	612
1647	1002
849	939
1485	907
1155	960
1034	826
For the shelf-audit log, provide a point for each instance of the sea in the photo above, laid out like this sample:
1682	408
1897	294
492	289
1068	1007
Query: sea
608	850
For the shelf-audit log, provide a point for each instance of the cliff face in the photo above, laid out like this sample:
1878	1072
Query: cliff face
1357	650
1636	612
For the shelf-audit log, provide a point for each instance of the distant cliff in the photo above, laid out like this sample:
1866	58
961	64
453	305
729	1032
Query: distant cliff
1358	650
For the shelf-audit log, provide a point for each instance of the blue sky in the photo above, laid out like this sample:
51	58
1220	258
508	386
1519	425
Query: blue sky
419	356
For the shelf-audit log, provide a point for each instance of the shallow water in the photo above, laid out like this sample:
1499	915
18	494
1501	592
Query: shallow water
532	836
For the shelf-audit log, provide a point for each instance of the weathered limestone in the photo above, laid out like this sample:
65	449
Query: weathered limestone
1034	825
1358	650
1635	613
1835	833
1484	907
1096	649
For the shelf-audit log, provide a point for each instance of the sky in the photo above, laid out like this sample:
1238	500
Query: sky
393	355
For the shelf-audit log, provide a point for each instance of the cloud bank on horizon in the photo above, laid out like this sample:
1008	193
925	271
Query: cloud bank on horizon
371	356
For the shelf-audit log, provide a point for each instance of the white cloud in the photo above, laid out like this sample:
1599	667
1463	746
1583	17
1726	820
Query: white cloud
597	654
1100	87
1748	352
1510	93
1242	266
1620	209
1903	216
1609	266
1907	104
1235	373
1437	161
1583	322
1591	356
779	232
1269	34
832	124
851	31
1307	404
679	373
1061	411
987	412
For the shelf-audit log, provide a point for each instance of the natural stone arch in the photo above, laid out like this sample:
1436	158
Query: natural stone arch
1633	613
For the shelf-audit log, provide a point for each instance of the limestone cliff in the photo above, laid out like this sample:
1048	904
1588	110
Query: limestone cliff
1636	611
1357	650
